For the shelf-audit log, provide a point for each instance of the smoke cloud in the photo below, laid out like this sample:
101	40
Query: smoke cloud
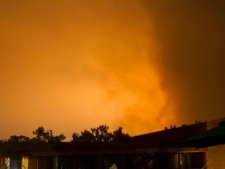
191	62
70	66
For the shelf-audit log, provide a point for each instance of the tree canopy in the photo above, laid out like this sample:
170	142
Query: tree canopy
46	136
100	134
40	136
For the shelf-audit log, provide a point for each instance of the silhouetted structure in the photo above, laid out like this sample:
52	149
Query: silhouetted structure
158	150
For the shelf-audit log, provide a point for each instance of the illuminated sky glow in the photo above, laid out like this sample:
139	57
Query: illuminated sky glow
70	66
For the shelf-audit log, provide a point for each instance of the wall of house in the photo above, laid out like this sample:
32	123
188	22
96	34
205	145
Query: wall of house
122	161
43	163
209	158
215	155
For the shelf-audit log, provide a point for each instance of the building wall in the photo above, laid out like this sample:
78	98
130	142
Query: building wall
215	155
42	163
210	158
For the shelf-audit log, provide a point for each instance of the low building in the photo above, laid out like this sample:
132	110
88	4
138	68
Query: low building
158	150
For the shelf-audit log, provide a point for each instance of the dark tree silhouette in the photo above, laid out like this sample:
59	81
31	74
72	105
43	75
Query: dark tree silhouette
59	138
3	141
76	137
40	136
46	136
20	138
86	136
118	135
99	134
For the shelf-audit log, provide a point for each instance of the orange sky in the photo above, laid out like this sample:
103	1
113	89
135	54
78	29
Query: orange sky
73	65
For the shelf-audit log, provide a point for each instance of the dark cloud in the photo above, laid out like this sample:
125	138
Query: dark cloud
192	59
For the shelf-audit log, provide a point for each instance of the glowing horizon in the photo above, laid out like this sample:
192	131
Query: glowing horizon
69	66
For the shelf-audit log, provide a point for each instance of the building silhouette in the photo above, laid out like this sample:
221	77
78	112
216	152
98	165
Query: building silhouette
164	149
